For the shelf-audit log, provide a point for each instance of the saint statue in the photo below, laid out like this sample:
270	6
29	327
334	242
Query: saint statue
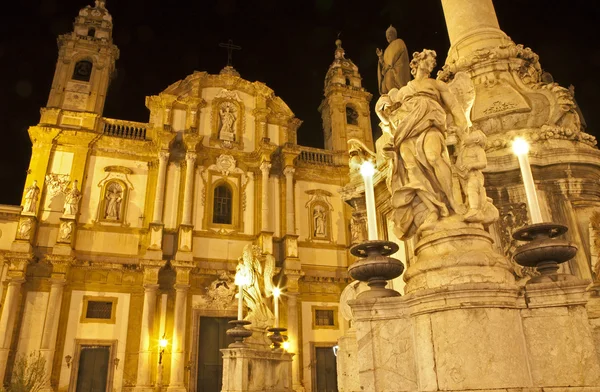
72	200
112	201
31	197
392	68
227	113
421	173
319	221
259	278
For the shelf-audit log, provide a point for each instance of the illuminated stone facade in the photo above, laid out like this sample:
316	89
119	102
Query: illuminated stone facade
125	214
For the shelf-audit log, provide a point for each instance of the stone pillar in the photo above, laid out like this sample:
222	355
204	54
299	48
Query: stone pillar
289	200
190	159
252	370
144	359
159	196
177	351
264	168
7	320
472	25
293	273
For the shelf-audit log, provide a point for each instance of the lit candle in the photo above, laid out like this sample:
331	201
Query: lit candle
367	170
241	302
276	293
521	149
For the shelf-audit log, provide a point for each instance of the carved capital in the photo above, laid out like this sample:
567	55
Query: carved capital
60	266
265	167
183	270
163	156
191	157
289	171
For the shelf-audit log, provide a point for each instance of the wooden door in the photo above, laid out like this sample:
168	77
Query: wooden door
326	371
92	373
213	338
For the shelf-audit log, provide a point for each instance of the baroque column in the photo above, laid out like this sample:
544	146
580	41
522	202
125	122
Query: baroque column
293	275
144	381
159	196
7	320
182	286
289	200
264	168
190	159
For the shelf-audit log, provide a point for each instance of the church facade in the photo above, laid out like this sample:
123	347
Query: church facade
129	233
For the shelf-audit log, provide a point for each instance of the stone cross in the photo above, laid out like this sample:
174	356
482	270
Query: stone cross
230	48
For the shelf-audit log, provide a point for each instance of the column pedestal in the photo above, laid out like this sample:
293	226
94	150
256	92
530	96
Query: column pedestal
251	370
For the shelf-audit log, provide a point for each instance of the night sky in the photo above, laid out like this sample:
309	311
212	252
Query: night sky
286	44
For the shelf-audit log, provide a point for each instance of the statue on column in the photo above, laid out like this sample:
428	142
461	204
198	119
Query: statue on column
31	198
259	275
420	117
392	68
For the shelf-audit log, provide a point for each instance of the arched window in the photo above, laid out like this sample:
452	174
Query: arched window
222	205
348	82
83	71
351	116
91	32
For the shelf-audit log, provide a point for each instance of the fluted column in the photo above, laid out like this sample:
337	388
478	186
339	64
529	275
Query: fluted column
264	168
159	196
178	347
7	321
145	355
190	159
289	199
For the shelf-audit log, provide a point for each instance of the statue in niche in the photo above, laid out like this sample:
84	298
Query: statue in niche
112	201
319	221
228	115
392	68
72	200
31	197
420	118
259	276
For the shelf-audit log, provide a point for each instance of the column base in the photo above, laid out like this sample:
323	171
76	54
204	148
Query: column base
176	388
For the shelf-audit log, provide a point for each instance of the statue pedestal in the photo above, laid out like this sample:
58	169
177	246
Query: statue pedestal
460	255
478	336
254	370
347	363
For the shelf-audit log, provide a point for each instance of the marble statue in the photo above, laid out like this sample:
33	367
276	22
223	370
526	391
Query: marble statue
72	200
259	275
31	197
419	117
392	68
112	201
320	220
228	116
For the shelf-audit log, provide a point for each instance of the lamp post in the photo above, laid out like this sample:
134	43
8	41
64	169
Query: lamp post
374	265
276	337
162	345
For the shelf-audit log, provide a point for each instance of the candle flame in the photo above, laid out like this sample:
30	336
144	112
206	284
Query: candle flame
367	169
520	146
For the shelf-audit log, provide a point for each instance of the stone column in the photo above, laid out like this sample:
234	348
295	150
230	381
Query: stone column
289	200
190	159
264	168
292	326
144	359
472	25
178	346
159	196
7	320
48	345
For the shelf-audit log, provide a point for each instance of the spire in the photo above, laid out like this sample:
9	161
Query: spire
339	51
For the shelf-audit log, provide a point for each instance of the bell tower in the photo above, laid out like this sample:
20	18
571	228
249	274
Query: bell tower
86	62
345	107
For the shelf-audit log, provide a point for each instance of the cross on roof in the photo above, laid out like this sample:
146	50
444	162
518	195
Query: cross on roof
230	48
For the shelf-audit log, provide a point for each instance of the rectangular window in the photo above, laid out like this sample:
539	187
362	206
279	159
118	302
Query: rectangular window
99	309
324	317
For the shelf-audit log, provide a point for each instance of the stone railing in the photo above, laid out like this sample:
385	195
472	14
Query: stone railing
124	129
317	156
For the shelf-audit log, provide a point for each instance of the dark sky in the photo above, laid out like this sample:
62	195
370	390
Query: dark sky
286	44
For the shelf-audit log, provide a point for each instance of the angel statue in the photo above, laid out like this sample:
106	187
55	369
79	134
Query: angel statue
419	117
259	276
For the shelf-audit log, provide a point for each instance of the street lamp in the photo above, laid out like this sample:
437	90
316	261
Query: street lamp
162	343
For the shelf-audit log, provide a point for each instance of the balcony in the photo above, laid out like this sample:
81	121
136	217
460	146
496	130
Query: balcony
124	129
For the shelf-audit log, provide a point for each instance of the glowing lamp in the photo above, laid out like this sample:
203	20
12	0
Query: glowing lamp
521	150
162	342
367	170
286	345
520	146
276	294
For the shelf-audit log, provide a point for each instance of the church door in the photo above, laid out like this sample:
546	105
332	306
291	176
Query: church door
326	372
213	338
93	369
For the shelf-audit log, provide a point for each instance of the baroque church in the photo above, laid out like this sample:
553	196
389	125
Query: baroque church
129	233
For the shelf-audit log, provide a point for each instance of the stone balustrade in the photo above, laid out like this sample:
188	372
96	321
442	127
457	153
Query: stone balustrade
124	129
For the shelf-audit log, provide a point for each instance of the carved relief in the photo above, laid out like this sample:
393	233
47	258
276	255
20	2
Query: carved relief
220	294
56	183
65	231
25	228
319	210
512	217
595	243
